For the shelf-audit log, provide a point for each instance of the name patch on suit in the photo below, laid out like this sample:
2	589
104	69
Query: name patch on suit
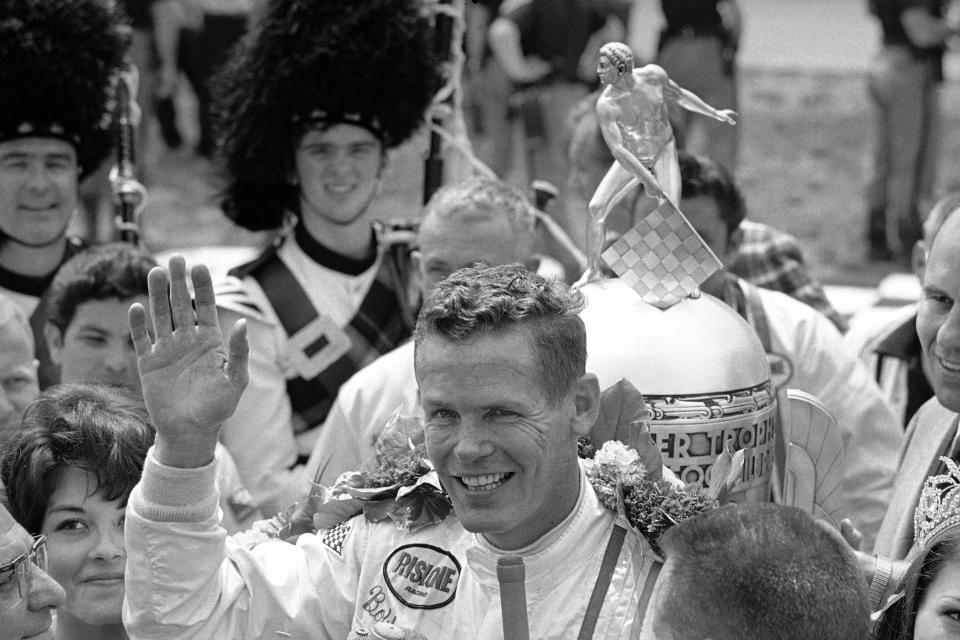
422	576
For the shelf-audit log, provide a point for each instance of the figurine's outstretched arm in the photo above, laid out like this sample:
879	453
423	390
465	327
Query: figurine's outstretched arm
692	102
614	140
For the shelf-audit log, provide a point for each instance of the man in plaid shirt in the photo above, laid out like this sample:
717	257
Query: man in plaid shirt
772	259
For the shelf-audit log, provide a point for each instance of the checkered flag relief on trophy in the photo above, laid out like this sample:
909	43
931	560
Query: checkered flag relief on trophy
662	258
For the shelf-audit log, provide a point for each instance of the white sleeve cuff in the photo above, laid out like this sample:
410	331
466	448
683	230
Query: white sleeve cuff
172	494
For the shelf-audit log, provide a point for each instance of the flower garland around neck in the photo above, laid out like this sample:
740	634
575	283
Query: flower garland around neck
626	473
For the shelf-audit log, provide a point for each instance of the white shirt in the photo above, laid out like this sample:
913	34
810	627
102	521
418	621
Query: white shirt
185	579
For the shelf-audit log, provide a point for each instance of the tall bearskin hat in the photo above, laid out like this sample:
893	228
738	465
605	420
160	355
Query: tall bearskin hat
58	62
316	62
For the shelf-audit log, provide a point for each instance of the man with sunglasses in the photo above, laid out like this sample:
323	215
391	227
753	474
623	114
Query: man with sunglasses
27	594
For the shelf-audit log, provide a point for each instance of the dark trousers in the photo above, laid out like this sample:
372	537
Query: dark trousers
201	55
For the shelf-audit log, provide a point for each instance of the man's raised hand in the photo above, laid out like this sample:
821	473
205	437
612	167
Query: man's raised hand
191	381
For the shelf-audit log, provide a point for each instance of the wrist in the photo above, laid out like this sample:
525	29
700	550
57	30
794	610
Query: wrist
170	494
184	453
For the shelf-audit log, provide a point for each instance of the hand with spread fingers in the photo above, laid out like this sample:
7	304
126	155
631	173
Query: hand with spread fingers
191	380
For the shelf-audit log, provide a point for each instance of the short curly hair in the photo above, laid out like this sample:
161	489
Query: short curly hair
769	568
619	54
481	300
484	196
103	272
97	429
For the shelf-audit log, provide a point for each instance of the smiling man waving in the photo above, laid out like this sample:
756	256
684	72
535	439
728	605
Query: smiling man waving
500	359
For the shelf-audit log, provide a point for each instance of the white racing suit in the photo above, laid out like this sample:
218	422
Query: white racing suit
186	579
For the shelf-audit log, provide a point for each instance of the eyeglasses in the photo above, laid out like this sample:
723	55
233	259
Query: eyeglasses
19	571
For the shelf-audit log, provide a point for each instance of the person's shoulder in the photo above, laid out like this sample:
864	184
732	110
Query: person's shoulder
932	412
384	371
650	72
780	300
238	298
390	361
509	8
761	232
871	326
798	323
447	536
929	6
605	106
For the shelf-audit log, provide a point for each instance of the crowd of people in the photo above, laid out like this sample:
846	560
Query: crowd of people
342	438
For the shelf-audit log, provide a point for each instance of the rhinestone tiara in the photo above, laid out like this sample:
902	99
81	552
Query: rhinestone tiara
939	508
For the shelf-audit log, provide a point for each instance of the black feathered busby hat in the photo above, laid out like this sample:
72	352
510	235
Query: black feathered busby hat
314	63
58	63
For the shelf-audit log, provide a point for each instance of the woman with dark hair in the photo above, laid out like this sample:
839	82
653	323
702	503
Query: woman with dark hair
929	608
928	604
68	475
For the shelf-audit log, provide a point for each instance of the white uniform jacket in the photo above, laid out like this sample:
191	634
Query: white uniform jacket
808	354
186	579
365	404
260	433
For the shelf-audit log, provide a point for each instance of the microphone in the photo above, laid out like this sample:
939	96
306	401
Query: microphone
513	598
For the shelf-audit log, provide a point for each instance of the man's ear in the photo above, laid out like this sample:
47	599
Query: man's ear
918	258
734	240
54	339
384	163
416	273
586	402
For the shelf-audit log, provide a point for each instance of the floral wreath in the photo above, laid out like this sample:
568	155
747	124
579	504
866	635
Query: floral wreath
626	473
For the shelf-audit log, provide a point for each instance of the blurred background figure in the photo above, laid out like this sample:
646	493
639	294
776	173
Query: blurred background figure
886	339
169	21
200	47
143	56
547	50
903	84
18	366
698	49
67	476
484	82
60	58
765	571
